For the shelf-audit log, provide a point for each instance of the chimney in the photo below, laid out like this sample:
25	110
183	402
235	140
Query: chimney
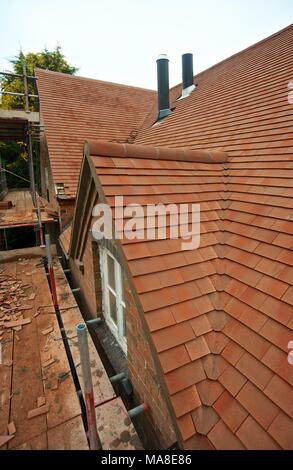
163	86
187	75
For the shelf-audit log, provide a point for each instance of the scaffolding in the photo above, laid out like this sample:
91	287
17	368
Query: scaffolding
31	132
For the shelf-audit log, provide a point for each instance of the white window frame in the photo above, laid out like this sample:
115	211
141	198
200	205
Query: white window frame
117	330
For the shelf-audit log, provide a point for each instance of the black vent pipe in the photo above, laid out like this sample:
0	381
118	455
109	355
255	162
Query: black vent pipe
163	86
187	70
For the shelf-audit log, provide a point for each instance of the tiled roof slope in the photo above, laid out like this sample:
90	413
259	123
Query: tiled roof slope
75	109
241	106
220	316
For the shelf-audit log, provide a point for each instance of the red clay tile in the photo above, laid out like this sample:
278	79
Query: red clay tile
257	404
186	427
288	296
230	411
159	319
198	442
209	391
185	401
277	361
253	436
232	352
254	370
272	286
281	394
277	334
232	380
197	348
281	430
185	376
185	310
204	418
223	439
216	341
200	325
277	309
214	366
249	340
172	336
174	358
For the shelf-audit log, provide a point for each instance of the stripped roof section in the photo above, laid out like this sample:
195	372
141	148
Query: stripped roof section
75	109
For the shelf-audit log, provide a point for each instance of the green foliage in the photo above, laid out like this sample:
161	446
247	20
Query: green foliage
49	60
15	159
14	154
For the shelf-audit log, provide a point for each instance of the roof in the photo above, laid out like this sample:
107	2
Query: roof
220	317
74	109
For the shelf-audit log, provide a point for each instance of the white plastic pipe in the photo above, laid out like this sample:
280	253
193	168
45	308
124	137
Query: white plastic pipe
94	440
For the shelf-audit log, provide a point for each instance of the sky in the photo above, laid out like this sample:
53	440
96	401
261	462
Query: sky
119	40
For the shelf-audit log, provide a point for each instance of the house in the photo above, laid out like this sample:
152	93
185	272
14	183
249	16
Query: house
74	109
205	332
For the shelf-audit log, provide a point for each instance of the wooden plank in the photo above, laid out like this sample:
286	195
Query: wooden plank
115	428
59	391
39	442
68	436
27	384
6	355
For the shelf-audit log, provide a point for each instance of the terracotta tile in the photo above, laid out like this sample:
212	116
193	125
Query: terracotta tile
232	380
172	336
277	361
257	404
281	430
288	296
198	442
185	401
254	437
281	394
253	297
204	418
254	370
214	366
209	391
277	334
285	256
205	286
232	352
174	358
186	427
277	309
159	319
223	439
200	325
185	310
197	348
247	338
185	376
217	319
245	314
216	341
272	286
231	412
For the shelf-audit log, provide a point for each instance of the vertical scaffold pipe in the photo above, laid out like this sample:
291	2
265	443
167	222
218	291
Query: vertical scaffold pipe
51	270
94	440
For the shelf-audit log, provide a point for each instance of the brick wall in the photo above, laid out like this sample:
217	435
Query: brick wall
154	426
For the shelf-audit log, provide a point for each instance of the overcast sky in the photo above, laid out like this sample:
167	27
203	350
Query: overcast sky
119	40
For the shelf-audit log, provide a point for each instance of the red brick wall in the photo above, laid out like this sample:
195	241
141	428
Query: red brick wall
155	425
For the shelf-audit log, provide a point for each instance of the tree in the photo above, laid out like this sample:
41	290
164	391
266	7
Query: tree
49	60
14	154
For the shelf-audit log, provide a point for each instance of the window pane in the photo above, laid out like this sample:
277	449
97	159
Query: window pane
111	272
113	309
